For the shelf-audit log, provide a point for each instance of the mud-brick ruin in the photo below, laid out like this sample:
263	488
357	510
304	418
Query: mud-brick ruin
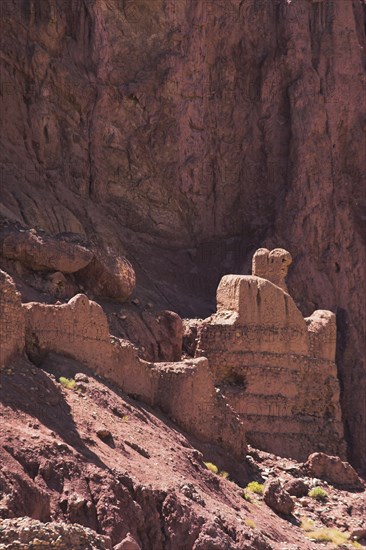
276	369
260	373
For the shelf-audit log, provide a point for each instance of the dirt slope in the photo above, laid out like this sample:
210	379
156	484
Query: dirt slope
95	457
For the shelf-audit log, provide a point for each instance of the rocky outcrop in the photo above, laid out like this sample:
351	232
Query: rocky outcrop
297	488
277	498
43	253
24	533
157	334
12	325
183	390
275	368
333	470
128	543
101	273
108	276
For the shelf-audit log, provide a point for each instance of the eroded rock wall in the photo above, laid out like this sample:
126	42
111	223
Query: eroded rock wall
187	134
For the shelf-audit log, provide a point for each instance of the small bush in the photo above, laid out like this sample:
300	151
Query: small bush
68	383
212	467
250	523
246	496
328	535
307	524
318	493
255	487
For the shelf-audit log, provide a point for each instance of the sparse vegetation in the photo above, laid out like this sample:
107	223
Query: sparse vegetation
68	383
318	493
246	496
255	487
307	524
252	488
212	467
250	523
328	535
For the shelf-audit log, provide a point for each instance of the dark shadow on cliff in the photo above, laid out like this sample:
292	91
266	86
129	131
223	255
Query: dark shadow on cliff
185	280
342	330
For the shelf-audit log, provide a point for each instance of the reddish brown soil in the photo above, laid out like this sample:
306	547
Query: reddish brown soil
143	475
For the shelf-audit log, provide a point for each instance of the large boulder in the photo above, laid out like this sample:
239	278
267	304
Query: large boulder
297	488
277	498
333	470
43	253
128	543
108	276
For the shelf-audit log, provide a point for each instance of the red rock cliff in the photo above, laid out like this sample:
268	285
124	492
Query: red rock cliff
185	134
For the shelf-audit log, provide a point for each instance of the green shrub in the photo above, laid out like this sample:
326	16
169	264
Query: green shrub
318	493
246	496
68	383
212	467
328	535
255	487
307	524
250	523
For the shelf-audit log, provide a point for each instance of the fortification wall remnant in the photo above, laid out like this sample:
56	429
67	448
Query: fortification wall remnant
11	320
183	390
275	368
272	265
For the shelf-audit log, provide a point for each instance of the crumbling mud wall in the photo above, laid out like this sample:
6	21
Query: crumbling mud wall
274	367
11	320
183	390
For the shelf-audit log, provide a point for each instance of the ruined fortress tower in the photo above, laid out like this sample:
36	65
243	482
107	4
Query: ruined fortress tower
276	369
262	373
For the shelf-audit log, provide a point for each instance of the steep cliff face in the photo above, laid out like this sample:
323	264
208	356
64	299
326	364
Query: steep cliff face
186	134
